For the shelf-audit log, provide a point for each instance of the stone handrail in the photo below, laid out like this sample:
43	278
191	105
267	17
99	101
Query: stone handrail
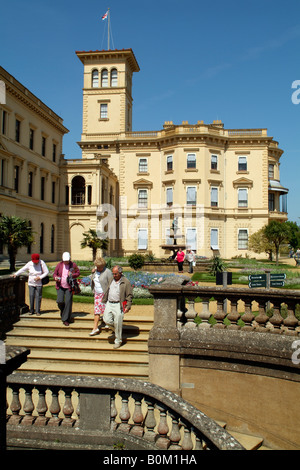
255	315
78	410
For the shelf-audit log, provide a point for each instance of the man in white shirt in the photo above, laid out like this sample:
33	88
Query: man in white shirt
118	299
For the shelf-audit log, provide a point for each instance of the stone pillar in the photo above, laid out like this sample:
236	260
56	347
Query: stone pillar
164	341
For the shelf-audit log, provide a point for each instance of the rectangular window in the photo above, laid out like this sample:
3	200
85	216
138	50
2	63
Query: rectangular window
43	146
271	201
242	164
169	239
4	122
214	162
169	194
214	197
191	196
18	128
30	183
191	238
142	198
53	192
31	139
143	165
242	197
16	179
54	153
42	188
243	239
271	172
142	239
191	160
214	238
169	162
103	111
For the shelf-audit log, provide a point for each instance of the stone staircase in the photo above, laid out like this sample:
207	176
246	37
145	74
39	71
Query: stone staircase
71	351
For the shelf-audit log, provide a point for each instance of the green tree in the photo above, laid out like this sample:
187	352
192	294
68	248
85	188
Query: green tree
259	243
294	236
277	233
15	233
91	240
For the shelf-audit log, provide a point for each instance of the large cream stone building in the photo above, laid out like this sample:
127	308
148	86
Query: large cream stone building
220	185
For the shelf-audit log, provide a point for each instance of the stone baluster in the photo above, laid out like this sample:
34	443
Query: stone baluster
276	319
190	313
234	315
220	314
15	405
28	406
248	316
181	309
187	443
68	409
205	314
175	435
137	417
41	408
150	422
124	414
291	321
55	408
113	412
262	318
162	440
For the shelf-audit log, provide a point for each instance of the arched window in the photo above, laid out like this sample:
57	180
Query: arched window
104	78
95	78
114	77
78	191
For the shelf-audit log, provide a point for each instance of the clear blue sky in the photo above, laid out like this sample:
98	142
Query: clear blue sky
232	60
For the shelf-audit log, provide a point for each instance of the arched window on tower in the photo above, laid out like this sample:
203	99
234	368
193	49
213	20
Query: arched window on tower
114	78
104	78
95	78
78	191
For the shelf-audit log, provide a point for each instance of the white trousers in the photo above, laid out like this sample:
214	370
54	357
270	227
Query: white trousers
113	316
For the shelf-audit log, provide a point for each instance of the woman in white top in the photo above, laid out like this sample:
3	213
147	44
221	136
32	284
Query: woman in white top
101	276
37	270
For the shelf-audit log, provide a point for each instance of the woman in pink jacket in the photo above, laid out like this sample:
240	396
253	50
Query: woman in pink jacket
180	259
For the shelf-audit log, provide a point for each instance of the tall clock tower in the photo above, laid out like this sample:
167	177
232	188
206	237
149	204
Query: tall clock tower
107	92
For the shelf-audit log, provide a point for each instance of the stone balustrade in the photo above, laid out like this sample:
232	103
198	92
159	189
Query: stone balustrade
243	309
106	412
12	302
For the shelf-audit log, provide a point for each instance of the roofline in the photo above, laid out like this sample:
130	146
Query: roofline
84	55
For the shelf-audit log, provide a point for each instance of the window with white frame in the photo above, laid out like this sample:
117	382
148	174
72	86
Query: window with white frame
169	239
103	111
142	198
214	162
214	238
243	239
242	197
114	77
191	160
191	238
169	162
242	165
191	195
169	196
271	171
104	78
143	165
214	197
142	239
95	79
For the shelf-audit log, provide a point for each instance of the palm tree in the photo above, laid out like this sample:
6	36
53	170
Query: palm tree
15	233
92	241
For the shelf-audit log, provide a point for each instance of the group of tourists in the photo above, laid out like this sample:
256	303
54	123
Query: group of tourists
112	291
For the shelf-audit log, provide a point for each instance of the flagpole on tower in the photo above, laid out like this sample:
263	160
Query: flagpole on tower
108	27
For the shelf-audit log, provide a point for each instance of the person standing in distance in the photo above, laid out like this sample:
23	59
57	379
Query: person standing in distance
118	300
64	292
